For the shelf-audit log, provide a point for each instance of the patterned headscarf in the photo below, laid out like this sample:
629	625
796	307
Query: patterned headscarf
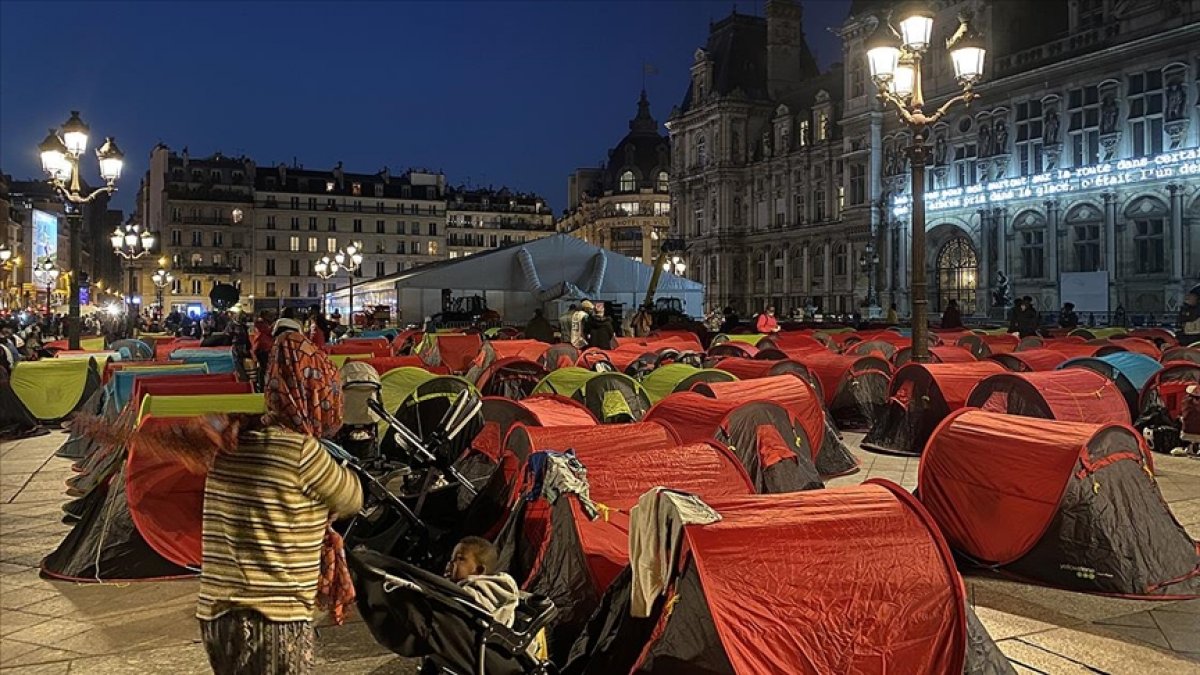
303	391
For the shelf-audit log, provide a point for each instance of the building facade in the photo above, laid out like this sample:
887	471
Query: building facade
761	191
302	215
625	205
201	210
1074	177
483	219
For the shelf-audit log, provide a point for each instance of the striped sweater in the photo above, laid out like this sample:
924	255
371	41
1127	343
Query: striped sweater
265	510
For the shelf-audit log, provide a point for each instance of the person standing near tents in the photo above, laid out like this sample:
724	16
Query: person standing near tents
1067	318
1025	318
539	328
599	329
266	507
767	323
576	325
1188	323
951	317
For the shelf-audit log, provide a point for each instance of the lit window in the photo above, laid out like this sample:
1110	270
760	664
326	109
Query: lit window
1145	98
197	286
330	245
664	181
627	182
329	186
312	244
1029	139
293	243
627	208
237	216
356	189
1084	125
433	248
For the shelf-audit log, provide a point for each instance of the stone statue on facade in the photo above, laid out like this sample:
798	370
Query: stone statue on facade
1108	114
766	145
985	140
1176	99
1050	127
889	161
1001	137
737	145
1000	296
940	150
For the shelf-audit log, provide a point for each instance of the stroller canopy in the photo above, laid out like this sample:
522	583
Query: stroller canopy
920	397
512	377
52	389
673	377
771	445
800	605
832	457
1016	492
1071	395
1130	372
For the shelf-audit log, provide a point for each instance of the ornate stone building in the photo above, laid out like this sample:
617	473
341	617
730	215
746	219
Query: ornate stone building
1076	173
484	219
766	191
624	205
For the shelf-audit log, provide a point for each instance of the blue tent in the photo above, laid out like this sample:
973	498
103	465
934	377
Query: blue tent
217	361
1130	371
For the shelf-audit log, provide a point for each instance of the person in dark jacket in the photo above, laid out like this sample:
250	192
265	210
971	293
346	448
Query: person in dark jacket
731	320
1188	324
1025	318
951	316
1067	318
539	328
598	328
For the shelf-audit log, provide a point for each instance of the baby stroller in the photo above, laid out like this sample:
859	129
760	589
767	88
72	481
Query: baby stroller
359	432
416	613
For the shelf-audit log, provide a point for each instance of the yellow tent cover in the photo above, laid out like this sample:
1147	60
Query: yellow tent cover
51	388
202	404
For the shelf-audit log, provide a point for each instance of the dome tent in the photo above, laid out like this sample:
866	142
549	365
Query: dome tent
1071	395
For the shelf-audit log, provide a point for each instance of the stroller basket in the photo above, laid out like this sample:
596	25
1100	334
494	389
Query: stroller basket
416	613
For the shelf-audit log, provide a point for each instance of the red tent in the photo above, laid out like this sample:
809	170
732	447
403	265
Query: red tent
828	595
556	550
1031	360
767	439
788	340
455	351
937	354
919	398
512	377
190	385
523	440
1132	344
831	456
1159	336
855	387
1168	387
383	364
373	346
1069	504
1073	348
1070	395
1189	353
734	349
753	369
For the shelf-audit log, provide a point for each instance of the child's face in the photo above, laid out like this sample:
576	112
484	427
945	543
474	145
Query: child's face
462	565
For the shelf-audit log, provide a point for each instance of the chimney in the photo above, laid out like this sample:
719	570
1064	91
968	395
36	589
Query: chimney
784	44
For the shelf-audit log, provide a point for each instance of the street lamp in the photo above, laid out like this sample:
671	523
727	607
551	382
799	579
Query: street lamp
895	63
131	242
675	265
324	268
350	259
60	161
868	260
161	279
45	272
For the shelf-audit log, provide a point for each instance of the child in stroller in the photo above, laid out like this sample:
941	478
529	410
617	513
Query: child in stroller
473	567
416	613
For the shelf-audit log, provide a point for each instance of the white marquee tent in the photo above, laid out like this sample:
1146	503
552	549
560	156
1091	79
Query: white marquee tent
545	273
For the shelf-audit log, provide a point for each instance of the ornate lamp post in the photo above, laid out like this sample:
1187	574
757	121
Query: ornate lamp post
674	265
161	279
895	62
350	259
325	268
45	273
131	242
60	160
868	261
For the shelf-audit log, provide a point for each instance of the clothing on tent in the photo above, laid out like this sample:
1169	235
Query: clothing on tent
655	529
558	473
1191	417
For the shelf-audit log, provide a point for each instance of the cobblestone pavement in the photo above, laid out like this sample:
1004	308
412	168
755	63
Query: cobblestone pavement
53	627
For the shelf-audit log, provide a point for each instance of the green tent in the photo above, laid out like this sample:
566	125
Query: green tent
201	404
673	377
52	389
564	381
749	338
397	384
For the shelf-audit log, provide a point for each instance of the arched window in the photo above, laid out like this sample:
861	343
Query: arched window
797	263
957	266
839	260
663	181
627	182
1148	216
817	260
1085	227
1031	228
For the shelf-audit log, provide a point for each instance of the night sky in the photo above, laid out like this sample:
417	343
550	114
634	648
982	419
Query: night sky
492	93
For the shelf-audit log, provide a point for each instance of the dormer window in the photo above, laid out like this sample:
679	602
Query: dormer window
329	186
356	189
627	182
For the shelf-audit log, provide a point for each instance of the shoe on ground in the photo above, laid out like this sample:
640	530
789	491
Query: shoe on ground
1179	452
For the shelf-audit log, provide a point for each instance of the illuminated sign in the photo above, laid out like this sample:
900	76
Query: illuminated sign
45	235
1179	164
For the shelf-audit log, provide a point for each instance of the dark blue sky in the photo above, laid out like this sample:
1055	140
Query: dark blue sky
501	93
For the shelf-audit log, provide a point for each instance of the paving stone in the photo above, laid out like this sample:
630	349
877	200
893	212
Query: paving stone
1110	652
1182	630
14	620
55	668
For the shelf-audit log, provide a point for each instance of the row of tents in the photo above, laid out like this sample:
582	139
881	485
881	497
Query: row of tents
791	576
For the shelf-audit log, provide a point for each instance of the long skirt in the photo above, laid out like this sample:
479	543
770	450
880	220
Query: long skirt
244	642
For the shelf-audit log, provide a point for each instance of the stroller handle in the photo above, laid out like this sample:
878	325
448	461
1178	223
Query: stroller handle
414	442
